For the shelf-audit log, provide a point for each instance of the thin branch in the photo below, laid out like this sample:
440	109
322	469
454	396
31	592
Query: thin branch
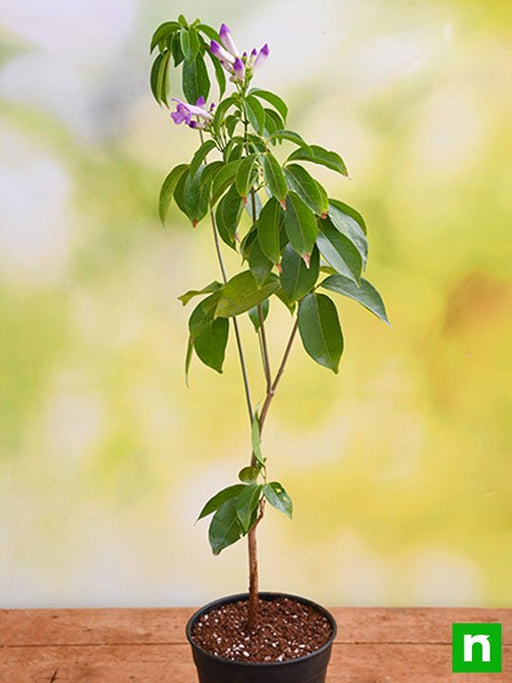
271	393
264	349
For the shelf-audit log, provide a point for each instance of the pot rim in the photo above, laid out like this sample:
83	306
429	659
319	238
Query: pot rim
264	595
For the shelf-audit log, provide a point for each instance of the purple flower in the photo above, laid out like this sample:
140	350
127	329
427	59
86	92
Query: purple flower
218	51
262	56
185	112
253	55
239	69
227	40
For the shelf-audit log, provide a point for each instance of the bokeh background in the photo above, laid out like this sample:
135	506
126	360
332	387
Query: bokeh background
400	467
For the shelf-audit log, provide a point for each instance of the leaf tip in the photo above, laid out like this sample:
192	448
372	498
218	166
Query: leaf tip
307	259
283	204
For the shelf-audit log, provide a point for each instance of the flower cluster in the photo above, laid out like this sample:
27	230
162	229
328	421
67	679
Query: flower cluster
236	64
194	116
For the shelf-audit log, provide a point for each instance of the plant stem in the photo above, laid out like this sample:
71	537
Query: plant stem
271	393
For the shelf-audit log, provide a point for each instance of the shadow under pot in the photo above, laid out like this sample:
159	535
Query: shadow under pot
213	644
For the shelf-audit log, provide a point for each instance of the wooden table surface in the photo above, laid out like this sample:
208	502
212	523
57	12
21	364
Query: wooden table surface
145	645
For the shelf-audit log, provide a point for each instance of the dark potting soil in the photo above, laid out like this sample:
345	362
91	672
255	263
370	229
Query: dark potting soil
287	629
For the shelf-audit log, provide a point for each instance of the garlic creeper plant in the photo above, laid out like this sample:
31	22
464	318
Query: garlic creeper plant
248	179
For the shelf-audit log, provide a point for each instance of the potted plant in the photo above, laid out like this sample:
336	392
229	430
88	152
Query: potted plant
248	179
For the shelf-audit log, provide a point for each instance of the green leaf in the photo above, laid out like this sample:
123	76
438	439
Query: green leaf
220	74
227	216
196	82
189	43
291	136
274	176
269	230
225	527
247	505
308	189
272	99
258	263
200	155
212	287
351	229
162	32
365	294
254	313
319	155
210	344
176	50
278	498
300	225
345	208
245	176
320	330
255	114
209	172
182	21
273	122
242	293
339	251
219	498
209	32
220	111
223	179
202	314
167	190
249	475
296	278
158	79
192	199
256	440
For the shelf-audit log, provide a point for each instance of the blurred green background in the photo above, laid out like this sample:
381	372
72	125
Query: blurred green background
400	467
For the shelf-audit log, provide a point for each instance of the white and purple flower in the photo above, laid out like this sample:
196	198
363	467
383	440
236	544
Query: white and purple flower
239	66
193	115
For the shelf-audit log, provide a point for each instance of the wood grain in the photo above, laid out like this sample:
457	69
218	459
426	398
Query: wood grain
403	645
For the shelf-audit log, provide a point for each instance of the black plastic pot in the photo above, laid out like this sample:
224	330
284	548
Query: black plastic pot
309	669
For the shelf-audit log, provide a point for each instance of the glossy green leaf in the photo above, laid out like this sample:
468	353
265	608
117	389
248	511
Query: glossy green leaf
273	122
320	330
345	224
242	293
255	114
212	287
176	50
227	216
158	79
319	155
269	230
272	99
339	251
221	110
209	172
196	82
245	175
300	225
202	314
278	498
308	189
247	505
365	294
291	136
296	278
189	43
209	32
162	32
191	197
259	264
254	313
274	176
225	527
167	190
219	498
249	475
350	211
210	344
201	155
223	179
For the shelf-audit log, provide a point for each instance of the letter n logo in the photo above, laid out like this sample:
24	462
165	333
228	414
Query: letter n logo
476	648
